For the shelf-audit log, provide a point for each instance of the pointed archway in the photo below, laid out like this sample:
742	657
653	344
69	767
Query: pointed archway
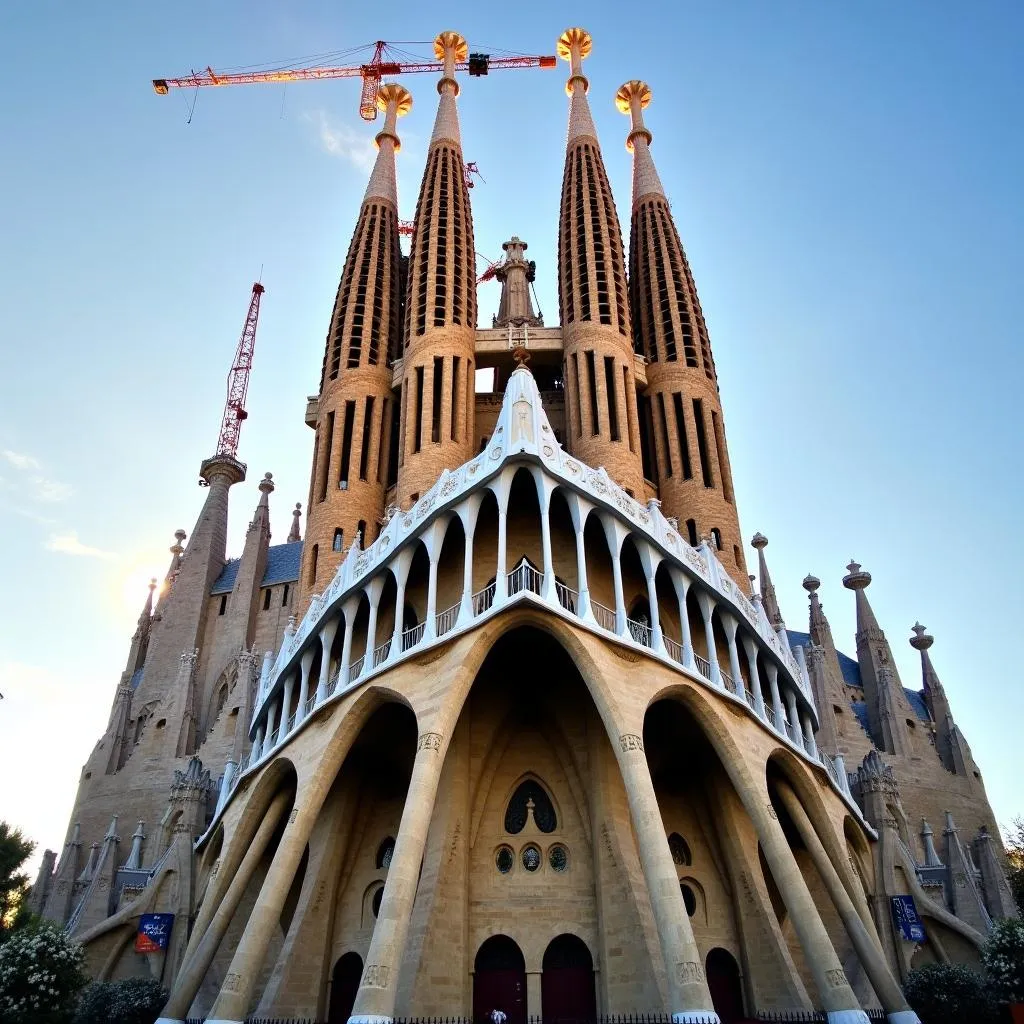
344	985
567	984
724	981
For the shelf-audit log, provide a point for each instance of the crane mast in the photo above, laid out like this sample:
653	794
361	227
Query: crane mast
238	380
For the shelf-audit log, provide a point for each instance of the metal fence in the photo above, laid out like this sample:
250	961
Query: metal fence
763	1016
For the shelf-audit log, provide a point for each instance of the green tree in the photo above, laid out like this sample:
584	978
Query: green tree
1015	855
949	994
15	849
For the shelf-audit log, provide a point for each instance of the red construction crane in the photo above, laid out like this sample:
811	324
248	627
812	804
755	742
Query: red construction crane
382	63
238	380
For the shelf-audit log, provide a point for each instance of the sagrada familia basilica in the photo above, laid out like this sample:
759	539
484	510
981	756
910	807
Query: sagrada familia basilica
510	728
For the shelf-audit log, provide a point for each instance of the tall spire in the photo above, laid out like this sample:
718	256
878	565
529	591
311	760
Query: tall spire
768	599
355	408
602	427
683	428
294	534
438	396
826	675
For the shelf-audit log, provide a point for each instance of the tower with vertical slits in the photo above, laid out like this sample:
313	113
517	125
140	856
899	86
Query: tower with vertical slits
356	407
440	311
680	412
601	415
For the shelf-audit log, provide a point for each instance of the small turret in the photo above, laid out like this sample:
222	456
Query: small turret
515	274
293	533
768	599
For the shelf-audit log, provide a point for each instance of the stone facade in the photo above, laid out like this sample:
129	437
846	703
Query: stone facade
524	739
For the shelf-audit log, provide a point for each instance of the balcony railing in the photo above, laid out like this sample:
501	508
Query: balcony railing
357	667
446	620
605	616
483	599
381	652
524	577
567	597
640	632
413	635
730	684
675	651
703	665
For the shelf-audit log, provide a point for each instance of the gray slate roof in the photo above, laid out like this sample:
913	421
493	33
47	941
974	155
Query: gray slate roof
282	567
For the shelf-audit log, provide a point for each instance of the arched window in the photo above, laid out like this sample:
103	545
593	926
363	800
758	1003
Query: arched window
385	852
378	896
338	543
691	532
680	850
530	795
716	537
689	899
222	698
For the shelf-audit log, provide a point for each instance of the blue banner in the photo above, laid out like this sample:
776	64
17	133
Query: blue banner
909	923
154	932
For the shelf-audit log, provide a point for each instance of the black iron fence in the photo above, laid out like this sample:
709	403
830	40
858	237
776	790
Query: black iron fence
810	1016
762	1017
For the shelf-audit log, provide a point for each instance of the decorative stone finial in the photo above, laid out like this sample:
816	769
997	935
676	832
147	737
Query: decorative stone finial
521	355
575	44
759	541
811	583
267	483
633	98
920	641
856	578
177	547
451	48
396	101
293	533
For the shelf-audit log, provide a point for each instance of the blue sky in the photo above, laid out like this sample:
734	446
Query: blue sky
847	182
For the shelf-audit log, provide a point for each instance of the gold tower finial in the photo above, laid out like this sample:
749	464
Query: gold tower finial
452	49
396	101
633	98
574	44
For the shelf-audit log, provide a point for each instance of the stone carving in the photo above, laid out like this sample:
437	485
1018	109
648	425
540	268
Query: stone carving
376	976
497	452
630	741
429	741
835	978
232	983
771	813
293	816
548	451
689	972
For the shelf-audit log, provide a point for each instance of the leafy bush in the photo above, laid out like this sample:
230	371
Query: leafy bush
949	994
132	1001
40	976
1003	957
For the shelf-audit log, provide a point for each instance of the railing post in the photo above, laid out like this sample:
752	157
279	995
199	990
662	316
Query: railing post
327	635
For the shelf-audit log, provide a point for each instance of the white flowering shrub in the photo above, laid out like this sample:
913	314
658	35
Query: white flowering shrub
1003	958
40	976
132	1001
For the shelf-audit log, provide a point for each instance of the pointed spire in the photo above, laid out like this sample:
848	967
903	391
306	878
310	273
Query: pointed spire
768	598
450	48
90	865
261	517
177	554
633	98
134	861
858	581
574	45
396	102
931	857
293	533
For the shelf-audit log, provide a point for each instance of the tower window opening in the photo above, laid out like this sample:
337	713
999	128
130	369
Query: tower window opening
384	440
325	470
393	448
364	454
577	389
361	533
266	599
702	442
595	424
716	537
647	448
419	409
338	543
403	429
385	852
530	796
580	261
684	441
737	556
723	464
630	420
312	563
689	899
680	850
346	444
613	404
223	604
663	423
284	596
435	423
691	532
456	389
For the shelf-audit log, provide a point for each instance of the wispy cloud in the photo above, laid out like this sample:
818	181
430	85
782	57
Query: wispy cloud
67	543
344	142
29	482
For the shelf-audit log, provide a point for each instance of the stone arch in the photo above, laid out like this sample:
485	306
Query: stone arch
725	983
451	567
371	903
694	898
599	561
530	787
348	969
567	981
563	540
522	520
218	695
499	979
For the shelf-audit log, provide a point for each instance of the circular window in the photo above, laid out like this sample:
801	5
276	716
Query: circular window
558	858
531	858
377	897
505	859
689	899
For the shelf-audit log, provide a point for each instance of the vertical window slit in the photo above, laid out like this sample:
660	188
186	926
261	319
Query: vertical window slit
613	404
595	424
346	443
364	454
684	445
702	442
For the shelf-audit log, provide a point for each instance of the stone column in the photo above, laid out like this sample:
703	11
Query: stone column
272	713
773	684
620	600
682	585
375	1000
239	985
500	583
707	609
257	745
689	997
834	990
583	607
809	745
793	715
466	607
886	988
286	703
215	918
327	635
306	664
657	640
373	592
430	629
547	587
534	1003
731	625
750	648
346	645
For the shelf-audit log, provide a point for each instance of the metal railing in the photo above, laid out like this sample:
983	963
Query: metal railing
640	632
446	620
381	652
703	665
675	651
730	683
524	577
567	597
483	599
605	616
413	635
356	668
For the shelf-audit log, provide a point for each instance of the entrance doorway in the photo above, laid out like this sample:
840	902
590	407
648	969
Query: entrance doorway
499	980
724	982
344	985
567	984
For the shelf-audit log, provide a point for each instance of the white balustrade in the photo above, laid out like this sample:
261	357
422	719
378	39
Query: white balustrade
605	616
446	620
567	597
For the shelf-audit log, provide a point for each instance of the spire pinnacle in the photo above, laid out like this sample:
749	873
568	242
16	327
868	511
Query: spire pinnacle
396	102
515	275
574	44
293	533
768	599
450	48
920	641
632	99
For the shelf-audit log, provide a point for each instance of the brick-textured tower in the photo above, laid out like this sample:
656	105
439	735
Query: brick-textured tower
601	427
354	412
682	409
438	393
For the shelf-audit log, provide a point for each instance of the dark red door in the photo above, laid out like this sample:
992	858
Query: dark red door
344	985
567	984
499	981
724	982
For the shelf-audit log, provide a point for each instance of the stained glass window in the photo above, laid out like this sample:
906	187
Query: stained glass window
558	858
385	852
680	849
543	811
505	859
531	858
